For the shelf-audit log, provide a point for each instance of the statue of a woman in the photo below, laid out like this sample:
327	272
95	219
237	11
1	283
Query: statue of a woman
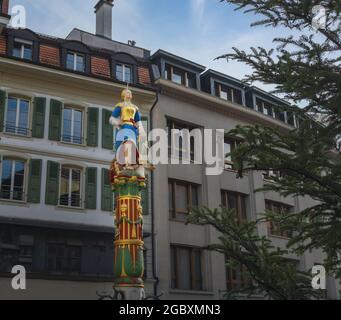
126	117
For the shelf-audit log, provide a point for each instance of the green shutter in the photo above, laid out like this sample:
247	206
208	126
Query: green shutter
34	181
2	109
92	137
91	188
107	195
52	183
55	123
107	130
145	198
38	120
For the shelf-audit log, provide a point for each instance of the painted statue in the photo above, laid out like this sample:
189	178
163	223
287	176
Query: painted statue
128	181
130	134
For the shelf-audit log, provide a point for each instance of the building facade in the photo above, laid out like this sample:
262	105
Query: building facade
56	96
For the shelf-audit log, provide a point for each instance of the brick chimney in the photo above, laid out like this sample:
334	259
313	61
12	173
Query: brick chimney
4	16
103	10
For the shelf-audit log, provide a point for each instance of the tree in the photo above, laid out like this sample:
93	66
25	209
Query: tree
304	68
268	272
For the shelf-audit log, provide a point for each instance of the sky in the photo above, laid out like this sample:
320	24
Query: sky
198	30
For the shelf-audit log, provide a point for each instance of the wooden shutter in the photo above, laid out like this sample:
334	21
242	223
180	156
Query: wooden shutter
91	188
107	130
52	183
107	195
92	136
55	123
34	181
2	109
38	120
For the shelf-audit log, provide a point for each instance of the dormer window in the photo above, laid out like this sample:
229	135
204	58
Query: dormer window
228	93
124	73
180	76
23	49
75	61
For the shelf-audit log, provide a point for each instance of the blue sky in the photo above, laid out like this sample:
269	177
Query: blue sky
199	30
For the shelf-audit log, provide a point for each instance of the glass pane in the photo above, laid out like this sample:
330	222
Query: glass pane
64	186
173	267
6	179
228	159
11	115
170	196
127	74
27	52
223	95
80	65
178	76
70	61
197	285
181	198
194	196
23	117
75	188
192	81
77	126
184	271
119	72
259	104
67	118
237	95
232	201
18	187
17	49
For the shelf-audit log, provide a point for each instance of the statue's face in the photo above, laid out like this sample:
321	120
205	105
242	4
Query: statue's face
127	95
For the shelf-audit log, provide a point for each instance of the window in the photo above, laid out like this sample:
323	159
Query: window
237	201
229	146
12	179
229	93
236	276
72	125
272	174
17	119
75	62
182	196
26	245
280	209
186	268
23	49
70	187
64	258
181	77
124	73
183	152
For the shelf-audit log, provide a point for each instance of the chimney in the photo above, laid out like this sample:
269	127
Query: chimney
4	16
103	10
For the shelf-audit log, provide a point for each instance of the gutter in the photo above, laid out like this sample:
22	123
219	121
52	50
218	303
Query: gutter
155	277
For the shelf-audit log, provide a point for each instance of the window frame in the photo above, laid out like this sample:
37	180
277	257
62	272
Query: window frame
18	107
228	163
191	250
22	43
170	70
84	129
25	178
220	87
71	167
173	212
285	209
75	56
124	67
232	282
241	200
